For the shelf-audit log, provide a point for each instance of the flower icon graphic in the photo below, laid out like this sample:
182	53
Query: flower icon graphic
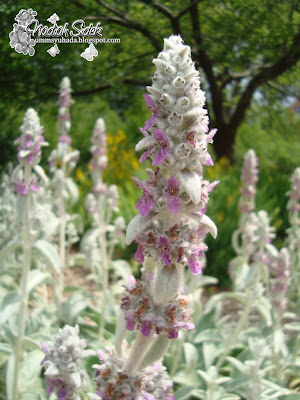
89	53
20	38
25	17
21	41
53	51
53	19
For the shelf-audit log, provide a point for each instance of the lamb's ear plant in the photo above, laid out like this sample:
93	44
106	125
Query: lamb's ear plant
293	232
62	161
174	199
8	240
99	242
25	179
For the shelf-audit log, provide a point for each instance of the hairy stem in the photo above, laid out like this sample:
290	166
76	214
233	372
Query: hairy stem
103	246
62	253
27	256
141	344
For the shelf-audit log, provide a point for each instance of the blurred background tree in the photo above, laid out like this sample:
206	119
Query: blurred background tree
242	49
247	53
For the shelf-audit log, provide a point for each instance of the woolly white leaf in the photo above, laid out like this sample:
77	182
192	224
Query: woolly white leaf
76	379
145	142
137	225
191	183
49	252
52	370
40	172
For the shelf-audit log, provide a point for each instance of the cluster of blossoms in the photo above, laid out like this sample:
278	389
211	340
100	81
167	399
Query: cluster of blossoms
143	313
169	228
249	179
103	201
100	190
62	362
98	147
113	382
29	144
280	266
64	157
252	241
176	140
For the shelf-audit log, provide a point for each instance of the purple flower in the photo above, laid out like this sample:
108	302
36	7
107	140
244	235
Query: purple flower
164	245
194	265
146	327
146	202
21	188
173	333
34	185
65	139
152	107
45	350
139	254
162	140
130	320
147	396
145	155
173	200
60	386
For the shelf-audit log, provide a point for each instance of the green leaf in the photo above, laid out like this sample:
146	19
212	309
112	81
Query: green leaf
122	268
292	326
229	396
75	304
184	393
72	189
30	369
10	305
199	394
10	376
191	355
210	335
50	253
187	378
36	278
9	248
264	308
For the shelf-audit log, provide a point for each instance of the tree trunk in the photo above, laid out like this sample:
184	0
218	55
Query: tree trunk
224	142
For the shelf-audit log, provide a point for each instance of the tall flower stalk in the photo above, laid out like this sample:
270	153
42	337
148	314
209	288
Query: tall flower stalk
25	181
62	161
98	244
175	194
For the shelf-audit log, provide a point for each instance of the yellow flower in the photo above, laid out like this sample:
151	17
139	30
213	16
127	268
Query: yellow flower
220	217
79	176
229	199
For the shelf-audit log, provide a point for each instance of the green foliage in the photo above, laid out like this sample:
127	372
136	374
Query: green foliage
274	135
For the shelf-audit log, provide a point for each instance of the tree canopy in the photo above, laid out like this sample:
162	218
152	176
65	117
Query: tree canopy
241	48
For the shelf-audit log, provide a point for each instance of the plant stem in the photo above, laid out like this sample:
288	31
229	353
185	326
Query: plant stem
139	348
27	256
103	245
62	253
